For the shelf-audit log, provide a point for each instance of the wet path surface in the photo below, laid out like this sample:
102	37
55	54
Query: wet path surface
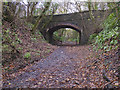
65	67
60	69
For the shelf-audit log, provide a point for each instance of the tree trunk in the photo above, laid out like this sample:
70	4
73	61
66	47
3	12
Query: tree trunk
40	17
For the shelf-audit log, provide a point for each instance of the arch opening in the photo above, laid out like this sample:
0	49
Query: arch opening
64	35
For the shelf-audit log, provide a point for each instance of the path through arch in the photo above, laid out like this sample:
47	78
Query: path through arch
54	28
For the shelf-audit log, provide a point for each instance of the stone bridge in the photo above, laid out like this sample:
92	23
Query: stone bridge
83	22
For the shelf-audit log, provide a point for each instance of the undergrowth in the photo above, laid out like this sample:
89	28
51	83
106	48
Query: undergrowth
107	39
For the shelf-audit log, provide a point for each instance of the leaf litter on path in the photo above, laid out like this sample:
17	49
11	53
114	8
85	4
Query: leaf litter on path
75	67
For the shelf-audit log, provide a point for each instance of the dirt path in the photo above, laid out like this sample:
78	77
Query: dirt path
65	67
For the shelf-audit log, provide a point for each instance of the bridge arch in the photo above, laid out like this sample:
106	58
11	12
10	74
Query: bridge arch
56	27
63	25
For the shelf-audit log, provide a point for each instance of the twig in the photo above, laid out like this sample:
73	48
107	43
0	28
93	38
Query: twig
106	84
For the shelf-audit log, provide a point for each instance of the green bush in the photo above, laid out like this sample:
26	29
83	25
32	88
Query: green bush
108	38
27	55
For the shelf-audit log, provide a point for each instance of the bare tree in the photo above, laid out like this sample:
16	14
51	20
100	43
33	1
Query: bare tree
30	10
47	5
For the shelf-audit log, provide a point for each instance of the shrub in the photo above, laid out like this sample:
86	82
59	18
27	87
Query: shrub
27	55
108	38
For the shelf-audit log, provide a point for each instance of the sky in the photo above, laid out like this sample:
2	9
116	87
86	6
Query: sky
72	8
61	0
72	0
